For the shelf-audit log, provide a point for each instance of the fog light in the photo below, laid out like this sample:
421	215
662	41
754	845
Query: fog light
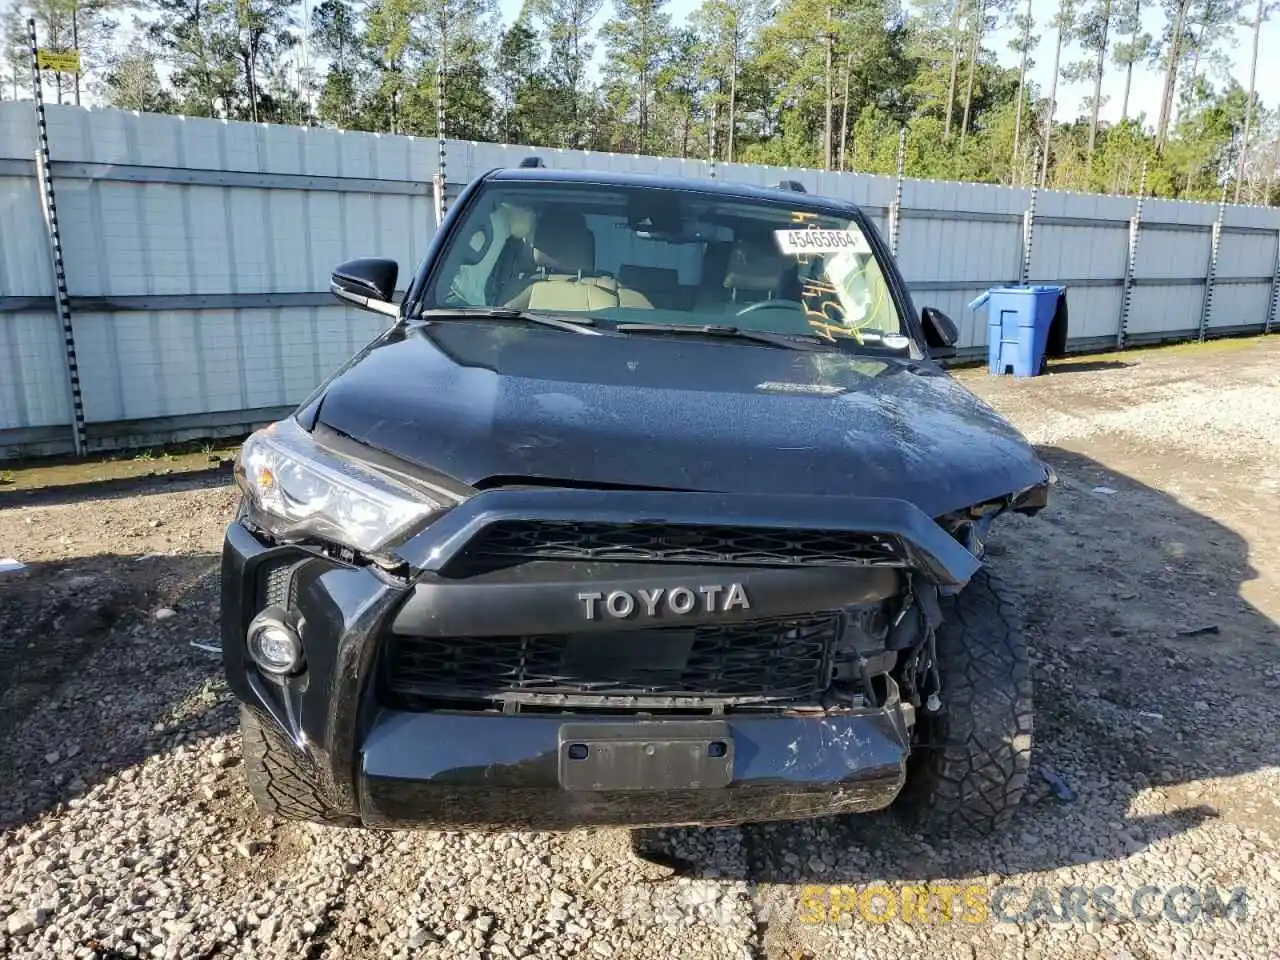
273	644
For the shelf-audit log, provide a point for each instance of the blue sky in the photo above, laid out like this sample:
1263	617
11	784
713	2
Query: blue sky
1145	93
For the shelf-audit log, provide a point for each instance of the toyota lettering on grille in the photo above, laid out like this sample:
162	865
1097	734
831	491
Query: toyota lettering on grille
658	601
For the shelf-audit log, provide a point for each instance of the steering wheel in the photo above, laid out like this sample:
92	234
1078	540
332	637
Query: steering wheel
770	305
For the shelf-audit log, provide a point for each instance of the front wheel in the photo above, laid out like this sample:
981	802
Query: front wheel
969	762
280	783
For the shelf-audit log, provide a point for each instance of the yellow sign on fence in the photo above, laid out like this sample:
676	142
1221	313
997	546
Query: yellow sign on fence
63	61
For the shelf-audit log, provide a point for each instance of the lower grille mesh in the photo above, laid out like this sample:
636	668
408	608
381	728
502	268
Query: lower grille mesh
751	661
276	587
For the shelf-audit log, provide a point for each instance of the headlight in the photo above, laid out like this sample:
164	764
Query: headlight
303	489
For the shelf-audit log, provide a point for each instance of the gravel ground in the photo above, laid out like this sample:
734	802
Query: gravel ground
1151	591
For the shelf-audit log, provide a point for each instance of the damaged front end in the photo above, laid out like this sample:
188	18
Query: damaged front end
971	525
512	661
913	633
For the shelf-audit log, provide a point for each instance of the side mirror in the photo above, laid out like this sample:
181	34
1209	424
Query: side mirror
369	283
940	333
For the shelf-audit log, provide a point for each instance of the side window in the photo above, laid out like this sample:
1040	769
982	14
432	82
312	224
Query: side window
492	257
468	260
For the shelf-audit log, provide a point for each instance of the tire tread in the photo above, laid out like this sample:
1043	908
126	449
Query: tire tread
278	779
973	781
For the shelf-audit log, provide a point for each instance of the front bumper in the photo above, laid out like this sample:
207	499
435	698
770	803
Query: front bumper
395	767
479	771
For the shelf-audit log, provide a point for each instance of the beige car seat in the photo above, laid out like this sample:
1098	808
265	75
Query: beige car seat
564	257
756	269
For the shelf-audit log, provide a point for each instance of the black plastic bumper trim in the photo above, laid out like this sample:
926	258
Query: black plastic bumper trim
344	610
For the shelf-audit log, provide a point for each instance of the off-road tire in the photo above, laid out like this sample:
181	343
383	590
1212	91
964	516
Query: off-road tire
968	766
278	779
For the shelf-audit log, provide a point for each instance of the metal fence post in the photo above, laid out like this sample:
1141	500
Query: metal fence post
441	198
711	142
1131	260
50	209
1028	235
1207	306
895	208
1273	303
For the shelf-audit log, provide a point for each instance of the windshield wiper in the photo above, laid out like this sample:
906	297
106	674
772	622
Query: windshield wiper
573	325
783	340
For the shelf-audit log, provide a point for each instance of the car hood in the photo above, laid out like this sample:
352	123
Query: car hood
487	403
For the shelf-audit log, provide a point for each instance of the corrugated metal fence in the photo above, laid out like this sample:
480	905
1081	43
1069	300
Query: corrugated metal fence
197	257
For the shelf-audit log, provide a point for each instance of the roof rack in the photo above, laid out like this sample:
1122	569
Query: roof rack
795	186
532	162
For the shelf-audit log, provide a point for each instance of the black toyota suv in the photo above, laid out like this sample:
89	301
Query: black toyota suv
650	506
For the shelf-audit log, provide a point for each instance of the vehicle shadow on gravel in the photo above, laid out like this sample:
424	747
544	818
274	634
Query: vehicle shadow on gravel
1152	675
92	683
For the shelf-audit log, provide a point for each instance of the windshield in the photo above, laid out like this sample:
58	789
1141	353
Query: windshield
648	255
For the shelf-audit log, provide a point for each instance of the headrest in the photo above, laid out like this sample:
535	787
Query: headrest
520	220
755	263
563	244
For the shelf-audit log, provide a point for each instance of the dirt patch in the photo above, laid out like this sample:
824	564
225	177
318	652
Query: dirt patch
90	476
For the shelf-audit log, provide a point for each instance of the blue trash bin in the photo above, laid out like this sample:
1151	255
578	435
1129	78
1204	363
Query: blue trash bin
1018	322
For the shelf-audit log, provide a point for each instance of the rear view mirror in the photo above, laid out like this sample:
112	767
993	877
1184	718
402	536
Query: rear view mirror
940	332
369	282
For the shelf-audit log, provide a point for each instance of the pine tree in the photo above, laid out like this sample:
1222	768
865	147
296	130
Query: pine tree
565	27
1023	43
638	40
1094	34
1064	22
726	28
1136	48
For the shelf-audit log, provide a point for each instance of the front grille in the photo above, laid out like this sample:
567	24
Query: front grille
739	663
514	540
